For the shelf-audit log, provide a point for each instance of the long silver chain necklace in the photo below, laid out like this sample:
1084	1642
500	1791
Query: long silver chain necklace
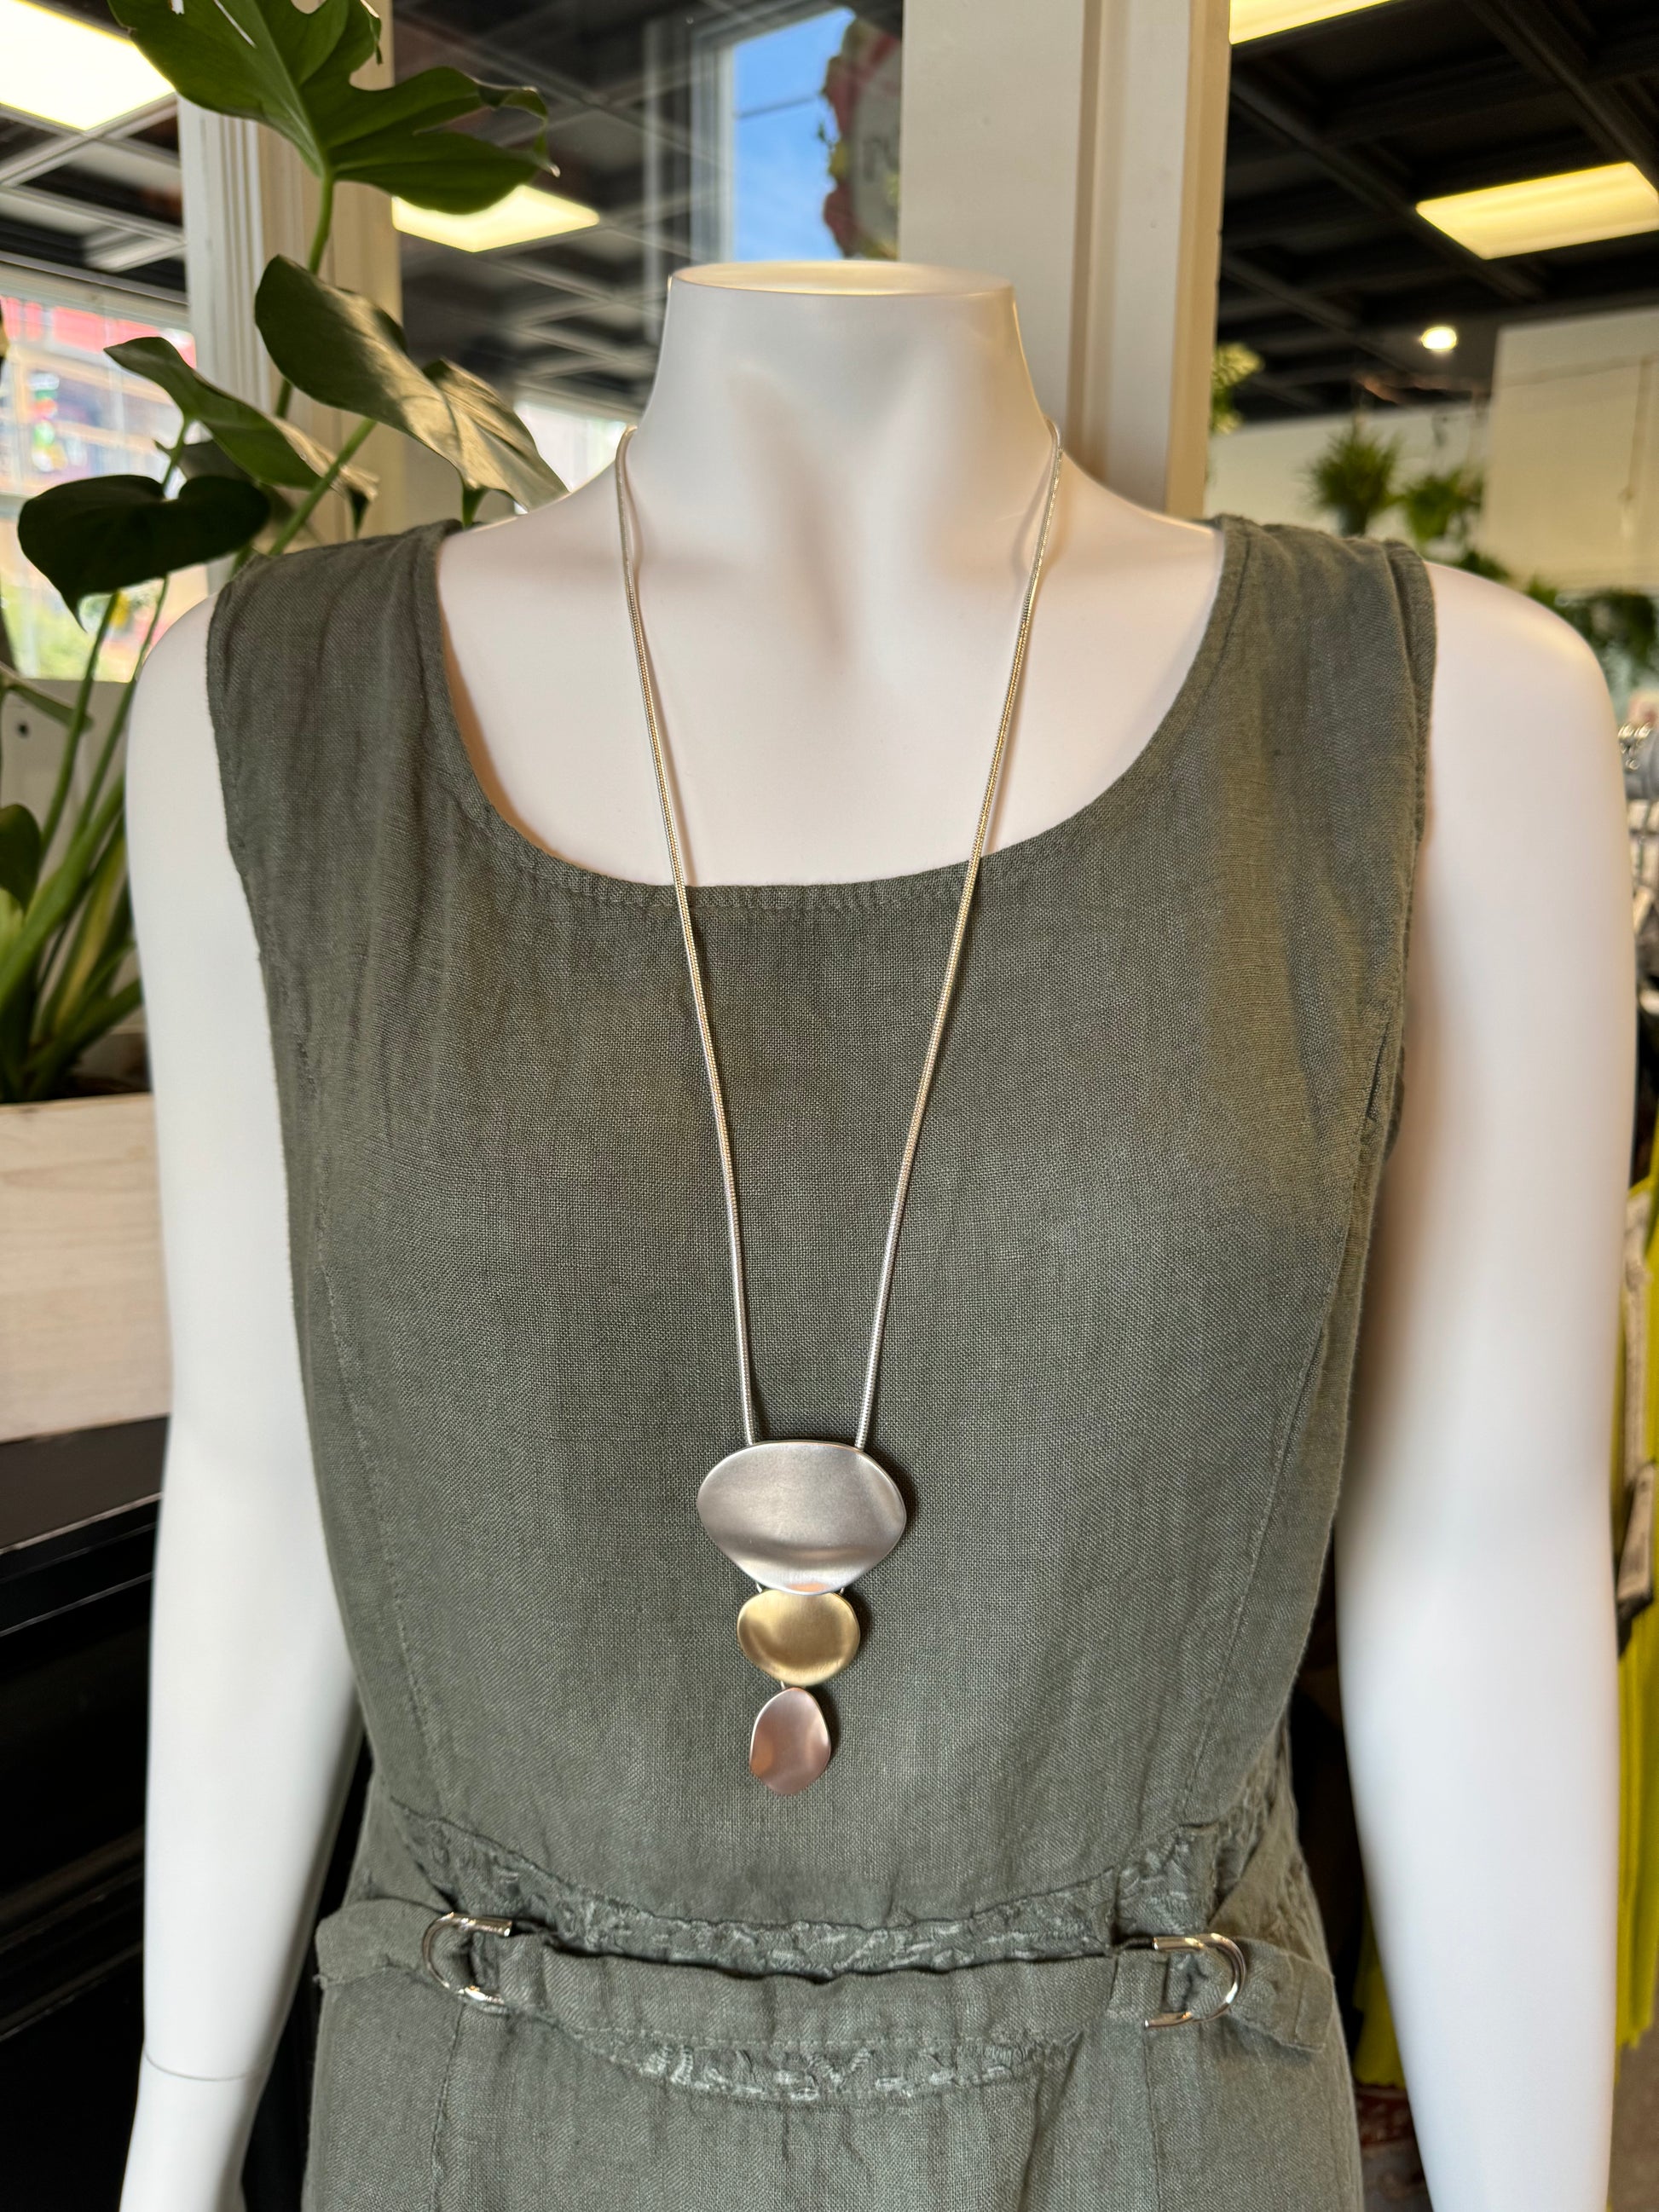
801	1516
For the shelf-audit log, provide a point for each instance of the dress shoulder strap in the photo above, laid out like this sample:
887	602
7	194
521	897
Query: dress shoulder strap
1330	673
1344	628
315	686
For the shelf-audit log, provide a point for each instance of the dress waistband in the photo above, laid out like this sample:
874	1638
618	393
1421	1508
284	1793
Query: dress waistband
469	1935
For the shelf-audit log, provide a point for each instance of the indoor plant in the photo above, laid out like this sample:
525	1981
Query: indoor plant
236	479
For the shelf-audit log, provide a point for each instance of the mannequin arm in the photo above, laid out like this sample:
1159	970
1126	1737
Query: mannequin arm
253	1721
1474	1578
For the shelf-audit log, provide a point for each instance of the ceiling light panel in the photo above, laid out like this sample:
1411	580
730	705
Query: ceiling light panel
56	69
524	214
1540	213
1262	19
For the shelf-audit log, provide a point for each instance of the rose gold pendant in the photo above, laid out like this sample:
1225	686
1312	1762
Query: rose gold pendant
790	1747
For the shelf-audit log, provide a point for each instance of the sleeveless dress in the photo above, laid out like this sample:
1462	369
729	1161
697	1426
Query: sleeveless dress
1114	1392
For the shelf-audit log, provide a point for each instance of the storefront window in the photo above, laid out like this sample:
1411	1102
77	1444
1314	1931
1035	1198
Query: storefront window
701	133
66	410
814	140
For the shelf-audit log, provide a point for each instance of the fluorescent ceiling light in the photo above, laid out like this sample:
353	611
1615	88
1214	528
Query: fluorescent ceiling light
1439	338
1260	19
56	69
1541	212
524	214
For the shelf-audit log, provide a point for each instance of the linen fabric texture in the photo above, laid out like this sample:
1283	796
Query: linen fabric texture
1115	1393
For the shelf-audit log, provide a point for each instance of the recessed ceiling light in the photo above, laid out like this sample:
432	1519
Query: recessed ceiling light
524	214
60	70
1439	338
1541	212
1260	19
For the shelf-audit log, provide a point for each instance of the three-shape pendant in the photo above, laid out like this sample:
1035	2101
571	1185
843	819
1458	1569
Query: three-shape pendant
802	1518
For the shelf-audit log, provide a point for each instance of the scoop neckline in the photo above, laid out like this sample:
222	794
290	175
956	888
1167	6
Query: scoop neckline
1005	864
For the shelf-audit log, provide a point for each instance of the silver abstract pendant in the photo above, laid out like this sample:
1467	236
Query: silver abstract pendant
796	1514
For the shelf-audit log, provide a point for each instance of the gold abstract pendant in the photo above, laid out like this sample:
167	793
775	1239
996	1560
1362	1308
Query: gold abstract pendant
799	1640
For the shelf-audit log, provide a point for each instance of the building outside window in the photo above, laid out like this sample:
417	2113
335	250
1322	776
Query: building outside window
66	410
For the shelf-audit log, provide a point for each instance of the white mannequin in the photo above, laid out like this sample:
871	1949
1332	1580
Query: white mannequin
836	483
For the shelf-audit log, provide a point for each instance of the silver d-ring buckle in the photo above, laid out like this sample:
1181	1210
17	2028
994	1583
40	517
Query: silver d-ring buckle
1238	1967
470	1924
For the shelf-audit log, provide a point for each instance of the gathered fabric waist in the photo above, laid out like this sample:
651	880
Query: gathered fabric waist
1018	1982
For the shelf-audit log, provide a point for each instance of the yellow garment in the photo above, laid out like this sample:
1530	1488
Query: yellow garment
1636	1441
1376	2055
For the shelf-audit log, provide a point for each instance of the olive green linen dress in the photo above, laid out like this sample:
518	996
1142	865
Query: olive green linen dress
1115	1393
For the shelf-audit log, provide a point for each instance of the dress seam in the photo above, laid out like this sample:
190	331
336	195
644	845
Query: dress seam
365	1460
1392	1017
440	2113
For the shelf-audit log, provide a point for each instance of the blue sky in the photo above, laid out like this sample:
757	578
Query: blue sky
781	171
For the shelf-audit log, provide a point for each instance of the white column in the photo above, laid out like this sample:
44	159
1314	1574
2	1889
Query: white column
1077	147
247	195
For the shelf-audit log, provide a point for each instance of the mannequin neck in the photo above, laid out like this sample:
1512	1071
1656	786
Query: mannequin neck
841	399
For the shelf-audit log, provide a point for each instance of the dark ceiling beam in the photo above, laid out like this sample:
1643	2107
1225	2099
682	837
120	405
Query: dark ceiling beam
1370	182
568	100
634	306
1451	92
1258	323
1635	54
1283	340
1347	372
1412	98
1300	217
1324	312
1535	35
1482	87
579	296
1306	374
577	350
1536	155
1286	347
1292	395
1313	307
1353	270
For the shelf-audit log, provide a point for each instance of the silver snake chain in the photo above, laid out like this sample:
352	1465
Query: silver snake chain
675	860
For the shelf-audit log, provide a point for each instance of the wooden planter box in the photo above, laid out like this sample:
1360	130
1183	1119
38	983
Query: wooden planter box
83	1318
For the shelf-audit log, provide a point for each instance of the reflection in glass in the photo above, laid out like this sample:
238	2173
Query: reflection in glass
66	410
712	131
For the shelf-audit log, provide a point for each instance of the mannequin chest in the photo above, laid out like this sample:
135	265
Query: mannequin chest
818	729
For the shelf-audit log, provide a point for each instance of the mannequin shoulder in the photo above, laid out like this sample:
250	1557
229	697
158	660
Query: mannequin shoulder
172	732
1502	657
1522	736
568	542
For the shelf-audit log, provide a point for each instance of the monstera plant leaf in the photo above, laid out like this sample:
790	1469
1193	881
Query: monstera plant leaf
20	852
346	352
515	466
271	451
292	70
106	533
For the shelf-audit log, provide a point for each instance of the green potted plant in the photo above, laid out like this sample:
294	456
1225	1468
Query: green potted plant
236	479
1356	478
